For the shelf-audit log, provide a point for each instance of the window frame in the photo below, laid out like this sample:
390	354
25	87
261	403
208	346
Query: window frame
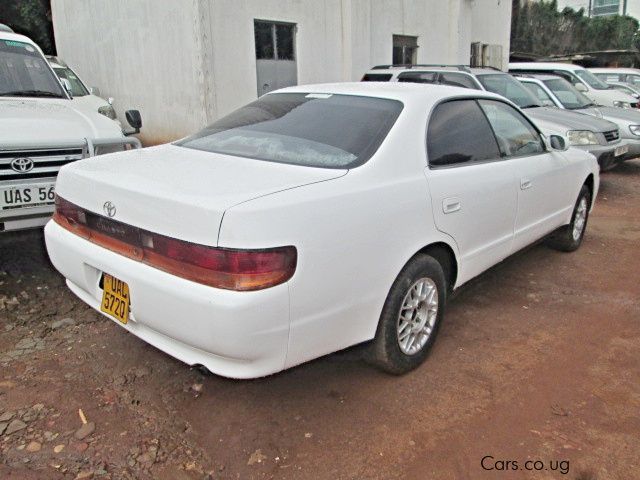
481	162
405	42
274	39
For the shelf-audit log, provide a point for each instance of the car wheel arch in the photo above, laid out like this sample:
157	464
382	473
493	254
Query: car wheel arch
589	182
445	255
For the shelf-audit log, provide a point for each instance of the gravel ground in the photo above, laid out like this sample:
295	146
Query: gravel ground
538	360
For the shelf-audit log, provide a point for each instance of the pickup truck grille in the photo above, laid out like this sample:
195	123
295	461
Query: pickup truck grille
612	136
40	163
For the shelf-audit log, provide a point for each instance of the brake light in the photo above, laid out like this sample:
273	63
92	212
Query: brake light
231	269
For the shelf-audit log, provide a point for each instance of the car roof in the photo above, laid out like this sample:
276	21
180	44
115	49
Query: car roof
17	37
544	66
393	69
614	70
487	71
538	76
405	92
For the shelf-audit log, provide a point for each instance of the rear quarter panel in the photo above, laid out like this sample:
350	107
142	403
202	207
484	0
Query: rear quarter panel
353	235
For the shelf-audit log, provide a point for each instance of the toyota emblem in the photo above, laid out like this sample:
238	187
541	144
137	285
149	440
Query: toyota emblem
22	164
109	208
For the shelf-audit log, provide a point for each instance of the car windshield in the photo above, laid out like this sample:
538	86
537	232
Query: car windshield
309	129
25	73
570	98
77	87
540	93
510	88
591	80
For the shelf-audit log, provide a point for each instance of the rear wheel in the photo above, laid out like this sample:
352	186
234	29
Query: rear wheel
569	237
411	316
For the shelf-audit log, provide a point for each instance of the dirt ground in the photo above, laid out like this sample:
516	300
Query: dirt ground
538	362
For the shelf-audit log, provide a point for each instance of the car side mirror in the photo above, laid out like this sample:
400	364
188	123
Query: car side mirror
557	142
581	87
134	119
67	86
94	91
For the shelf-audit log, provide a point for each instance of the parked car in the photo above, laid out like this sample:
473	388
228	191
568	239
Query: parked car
551	89
313	219
626	88
41	130
598	137
85	98
627	75
581	78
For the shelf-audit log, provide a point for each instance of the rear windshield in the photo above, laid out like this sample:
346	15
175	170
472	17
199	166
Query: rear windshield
309	129
507	86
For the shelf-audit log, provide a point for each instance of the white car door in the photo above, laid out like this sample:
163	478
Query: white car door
473	193
542	177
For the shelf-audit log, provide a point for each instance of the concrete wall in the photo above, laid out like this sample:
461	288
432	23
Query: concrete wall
491	24
186	63
145	54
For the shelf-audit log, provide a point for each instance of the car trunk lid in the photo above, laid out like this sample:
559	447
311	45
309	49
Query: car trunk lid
176	191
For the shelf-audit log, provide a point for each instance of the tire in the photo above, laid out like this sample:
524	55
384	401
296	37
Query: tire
569	237
403	343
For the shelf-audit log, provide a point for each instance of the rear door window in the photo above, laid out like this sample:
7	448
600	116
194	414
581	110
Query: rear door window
459	134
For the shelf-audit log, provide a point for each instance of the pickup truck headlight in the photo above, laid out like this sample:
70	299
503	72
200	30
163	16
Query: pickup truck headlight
582	137
620	104
635	129
108	111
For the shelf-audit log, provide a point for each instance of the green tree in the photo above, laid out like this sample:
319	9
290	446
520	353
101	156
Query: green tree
31	18
539	28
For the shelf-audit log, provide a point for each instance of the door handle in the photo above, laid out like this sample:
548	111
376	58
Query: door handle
525	183
450	205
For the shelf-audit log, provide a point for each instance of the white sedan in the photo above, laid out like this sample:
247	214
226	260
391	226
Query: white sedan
312	219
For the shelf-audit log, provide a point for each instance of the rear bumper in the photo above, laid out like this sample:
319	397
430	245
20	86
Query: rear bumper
233	334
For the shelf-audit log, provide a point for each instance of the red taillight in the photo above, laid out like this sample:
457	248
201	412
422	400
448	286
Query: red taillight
231	269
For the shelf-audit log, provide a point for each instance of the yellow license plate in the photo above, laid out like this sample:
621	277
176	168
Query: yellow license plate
115	298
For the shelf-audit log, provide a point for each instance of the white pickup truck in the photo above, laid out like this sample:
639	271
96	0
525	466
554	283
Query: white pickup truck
40	131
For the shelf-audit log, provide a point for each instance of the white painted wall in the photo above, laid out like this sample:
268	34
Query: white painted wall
145	54
185	63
